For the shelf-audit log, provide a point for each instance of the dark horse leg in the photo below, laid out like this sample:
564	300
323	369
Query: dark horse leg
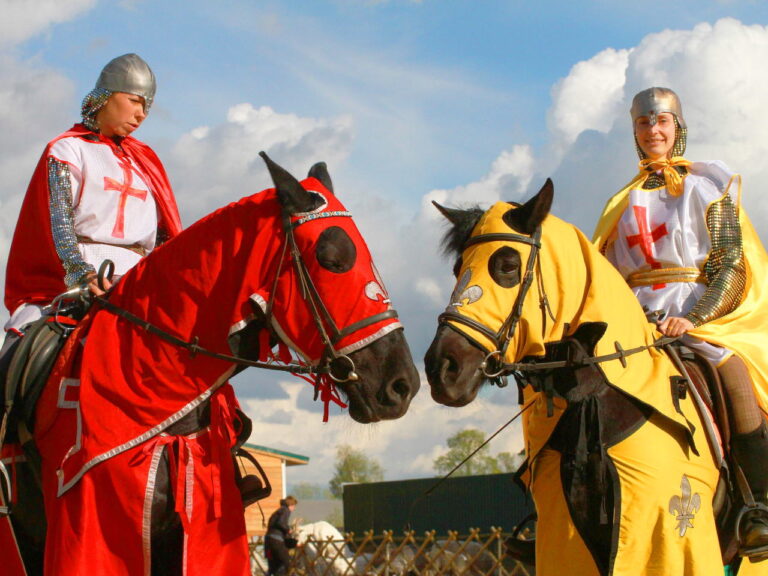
28	514
167	532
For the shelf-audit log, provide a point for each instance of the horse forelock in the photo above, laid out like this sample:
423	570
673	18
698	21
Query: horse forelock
462	223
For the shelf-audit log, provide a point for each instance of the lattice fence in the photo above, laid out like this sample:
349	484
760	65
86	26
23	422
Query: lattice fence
475	554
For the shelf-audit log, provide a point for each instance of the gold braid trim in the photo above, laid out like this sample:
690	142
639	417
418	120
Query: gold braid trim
724	269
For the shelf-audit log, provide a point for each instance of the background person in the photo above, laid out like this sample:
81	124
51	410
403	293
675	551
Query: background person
278	529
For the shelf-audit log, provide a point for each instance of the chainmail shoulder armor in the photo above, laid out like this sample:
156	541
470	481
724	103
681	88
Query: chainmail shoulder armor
63	223
724	270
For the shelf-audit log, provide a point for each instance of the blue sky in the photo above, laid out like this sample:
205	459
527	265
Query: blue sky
455	100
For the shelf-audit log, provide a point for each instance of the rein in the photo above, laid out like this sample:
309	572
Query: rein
620	354
194	348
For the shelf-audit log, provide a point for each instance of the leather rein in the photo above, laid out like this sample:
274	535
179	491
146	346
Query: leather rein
493	366
308	292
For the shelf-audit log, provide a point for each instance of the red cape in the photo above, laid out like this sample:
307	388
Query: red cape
34	272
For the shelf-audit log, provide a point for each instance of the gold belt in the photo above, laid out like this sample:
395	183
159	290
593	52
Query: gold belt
138	248
665	276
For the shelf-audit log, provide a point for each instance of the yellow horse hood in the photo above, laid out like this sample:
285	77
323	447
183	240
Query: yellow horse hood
580	286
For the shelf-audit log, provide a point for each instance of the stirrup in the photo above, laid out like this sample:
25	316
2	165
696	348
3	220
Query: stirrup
757	554
6	490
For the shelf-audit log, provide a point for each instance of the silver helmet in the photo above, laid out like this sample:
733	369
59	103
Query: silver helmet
654	101
129	73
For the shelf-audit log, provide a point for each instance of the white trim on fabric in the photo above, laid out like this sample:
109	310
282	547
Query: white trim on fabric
372	338
149	494
62	403
140	439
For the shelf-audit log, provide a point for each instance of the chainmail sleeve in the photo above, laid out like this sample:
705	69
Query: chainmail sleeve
63	223
724	270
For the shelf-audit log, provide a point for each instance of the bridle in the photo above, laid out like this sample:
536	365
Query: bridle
318	308
493	366
309	293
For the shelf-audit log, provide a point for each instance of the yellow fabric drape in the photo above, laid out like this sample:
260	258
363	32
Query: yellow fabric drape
745	330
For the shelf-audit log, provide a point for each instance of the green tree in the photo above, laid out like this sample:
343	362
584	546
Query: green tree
461	445
309	491
353	466
509	462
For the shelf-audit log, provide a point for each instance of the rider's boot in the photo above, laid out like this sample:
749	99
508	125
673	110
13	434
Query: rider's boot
751	454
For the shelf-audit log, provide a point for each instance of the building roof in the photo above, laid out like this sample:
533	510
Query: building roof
290	458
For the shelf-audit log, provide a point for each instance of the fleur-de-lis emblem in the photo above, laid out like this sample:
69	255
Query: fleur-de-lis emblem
462	293
685	506
375	289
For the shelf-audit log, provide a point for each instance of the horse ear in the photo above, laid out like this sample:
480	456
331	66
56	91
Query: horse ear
320	172
453	214
291	194
531	214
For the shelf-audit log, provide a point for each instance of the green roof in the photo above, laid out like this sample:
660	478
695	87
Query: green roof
291	459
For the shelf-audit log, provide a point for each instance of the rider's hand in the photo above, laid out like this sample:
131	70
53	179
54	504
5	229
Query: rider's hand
92	281
674	326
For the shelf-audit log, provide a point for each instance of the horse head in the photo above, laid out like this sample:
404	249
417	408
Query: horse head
491	315
330	304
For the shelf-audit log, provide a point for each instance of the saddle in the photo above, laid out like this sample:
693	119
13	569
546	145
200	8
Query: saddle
31	362
584	464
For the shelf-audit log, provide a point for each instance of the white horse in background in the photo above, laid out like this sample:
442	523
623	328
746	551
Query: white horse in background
324	551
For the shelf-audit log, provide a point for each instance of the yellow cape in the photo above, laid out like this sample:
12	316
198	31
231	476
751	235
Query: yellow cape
745	330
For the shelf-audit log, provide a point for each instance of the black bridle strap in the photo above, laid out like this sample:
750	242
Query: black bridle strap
510	324
312	296
501	338
194	348
503	237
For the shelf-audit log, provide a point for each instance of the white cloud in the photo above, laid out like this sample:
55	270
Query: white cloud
507	179
405	448
588	98
22	20
213	165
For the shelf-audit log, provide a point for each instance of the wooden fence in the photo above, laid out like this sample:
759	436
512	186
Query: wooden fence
475	554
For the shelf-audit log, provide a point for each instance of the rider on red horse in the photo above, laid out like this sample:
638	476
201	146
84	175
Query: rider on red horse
97	193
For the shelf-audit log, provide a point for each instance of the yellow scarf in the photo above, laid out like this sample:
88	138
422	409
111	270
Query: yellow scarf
672	178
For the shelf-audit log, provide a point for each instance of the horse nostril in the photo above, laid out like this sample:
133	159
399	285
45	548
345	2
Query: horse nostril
450	366
401	388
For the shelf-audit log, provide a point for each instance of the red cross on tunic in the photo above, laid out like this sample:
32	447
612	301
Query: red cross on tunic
646	238
125	190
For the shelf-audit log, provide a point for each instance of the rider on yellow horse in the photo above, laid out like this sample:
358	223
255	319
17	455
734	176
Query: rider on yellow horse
678	235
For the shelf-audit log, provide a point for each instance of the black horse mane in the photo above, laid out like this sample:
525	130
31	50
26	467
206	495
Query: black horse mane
463	221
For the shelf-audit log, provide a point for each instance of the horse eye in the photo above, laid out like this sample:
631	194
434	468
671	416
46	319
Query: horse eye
335	250
504	267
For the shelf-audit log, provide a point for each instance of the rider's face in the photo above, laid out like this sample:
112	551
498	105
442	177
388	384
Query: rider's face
121	115
656	140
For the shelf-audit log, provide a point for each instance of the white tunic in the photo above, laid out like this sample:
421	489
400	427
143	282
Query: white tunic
114	211
659	231
112	203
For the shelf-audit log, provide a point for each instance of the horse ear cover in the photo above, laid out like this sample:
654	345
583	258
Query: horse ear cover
527	217
319	171
292	195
